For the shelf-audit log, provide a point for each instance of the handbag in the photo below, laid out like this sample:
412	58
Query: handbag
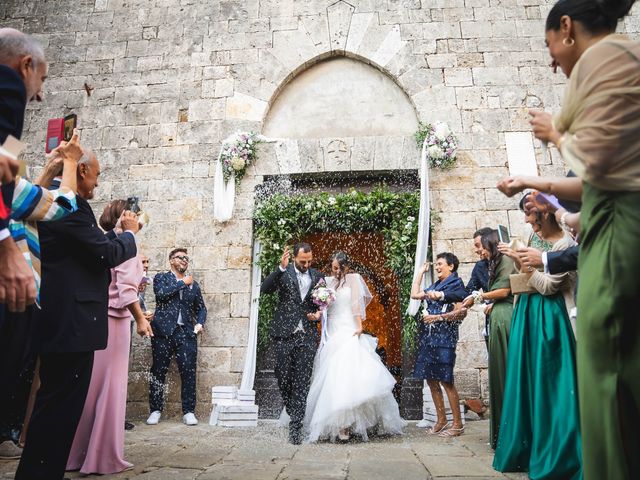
520	283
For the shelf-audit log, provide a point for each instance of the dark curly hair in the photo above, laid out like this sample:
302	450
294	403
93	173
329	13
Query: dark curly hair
344	264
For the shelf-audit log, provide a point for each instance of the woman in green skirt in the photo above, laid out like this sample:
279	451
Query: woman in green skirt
598	134
499	310
540	426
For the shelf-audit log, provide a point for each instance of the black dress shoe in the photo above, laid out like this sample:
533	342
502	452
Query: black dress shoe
129	426
295	436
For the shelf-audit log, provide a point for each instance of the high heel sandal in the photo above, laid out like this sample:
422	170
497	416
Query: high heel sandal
433	431
344	436
452	432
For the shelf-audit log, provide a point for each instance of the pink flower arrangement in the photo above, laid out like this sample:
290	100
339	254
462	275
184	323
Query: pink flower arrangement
322	295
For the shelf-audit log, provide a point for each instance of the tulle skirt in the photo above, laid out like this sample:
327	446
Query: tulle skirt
351	388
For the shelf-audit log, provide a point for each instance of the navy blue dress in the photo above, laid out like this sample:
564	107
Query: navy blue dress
437	341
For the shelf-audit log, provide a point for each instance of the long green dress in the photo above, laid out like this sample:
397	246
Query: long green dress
608	333
540	424
499	327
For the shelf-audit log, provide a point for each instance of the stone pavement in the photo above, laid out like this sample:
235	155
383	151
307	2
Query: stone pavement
173	451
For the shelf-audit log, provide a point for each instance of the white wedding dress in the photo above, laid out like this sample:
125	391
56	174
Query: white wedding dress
350	386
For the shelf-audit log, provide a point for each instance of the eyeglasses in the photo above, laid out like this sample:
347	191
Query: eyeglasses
184	258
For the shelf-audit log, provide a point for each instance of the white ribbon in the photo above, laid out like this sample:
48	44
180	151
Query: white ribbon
423	225
249	370
224	194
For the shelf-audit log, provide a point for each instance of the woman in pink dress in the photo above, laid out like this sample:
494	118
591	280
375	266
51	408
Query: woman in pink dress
98	446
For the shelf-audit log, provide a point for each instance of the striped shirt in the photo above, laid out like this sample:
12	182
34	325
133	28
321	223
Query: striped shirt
31	204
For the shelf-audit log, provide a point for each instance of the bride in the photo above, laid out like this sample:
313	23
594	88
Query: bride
350	388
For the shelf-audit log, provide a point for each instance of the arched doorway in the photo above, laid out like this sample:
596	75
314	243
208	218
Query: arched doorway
344	119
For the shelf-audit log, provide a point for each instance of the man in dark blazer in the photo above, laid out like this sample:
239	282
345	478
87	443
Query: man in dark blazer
294	332
76	261
179	316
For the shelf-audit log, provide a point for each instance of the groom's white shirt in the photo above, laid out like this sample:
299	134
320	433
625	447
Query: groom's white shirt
304	282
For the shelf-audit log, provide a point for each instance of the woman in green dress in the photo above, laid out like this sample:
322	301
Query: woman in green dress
499	310
598	134
540	427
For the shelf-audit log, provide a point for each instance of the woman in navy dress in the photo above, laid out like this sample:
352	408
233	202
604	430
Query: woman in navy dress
438	339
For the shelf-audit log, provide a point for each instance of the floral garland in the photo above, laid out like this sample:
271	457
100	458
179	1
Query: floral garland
237	154
442	145
283	219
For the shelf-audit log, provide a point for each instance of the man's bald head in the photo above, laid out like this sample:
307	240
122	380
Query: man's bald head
22	53
87	174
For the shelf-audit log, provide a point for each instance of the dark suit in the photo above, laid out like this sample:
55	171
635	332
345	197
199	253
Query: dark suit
479	277
15	378
175	299
294	352
13	101
76	261
563	260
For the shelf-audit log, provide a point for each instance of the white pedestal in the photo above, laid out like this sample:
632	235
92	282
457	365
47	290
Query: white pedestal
233	407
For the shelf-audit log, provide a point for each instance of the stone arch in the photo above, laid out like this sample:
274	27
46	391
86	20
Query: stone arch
339	95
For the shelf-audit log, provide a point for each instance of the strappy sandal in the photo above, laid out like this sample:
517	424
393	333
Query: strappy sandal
452	432
432	431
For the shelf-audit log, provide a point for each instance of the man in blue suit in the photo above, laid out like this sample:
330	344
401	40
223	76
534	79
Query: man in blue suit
179	316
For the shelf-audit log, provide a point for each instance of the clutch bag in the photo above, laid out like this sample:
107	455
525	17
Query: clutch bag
520	283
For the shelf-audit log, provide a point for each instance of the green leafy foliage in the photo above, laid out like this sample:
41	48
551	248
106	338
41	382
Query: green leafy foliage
283	219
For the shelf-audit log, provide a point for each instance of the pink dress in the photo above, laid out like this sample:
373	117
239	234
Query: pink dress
98	446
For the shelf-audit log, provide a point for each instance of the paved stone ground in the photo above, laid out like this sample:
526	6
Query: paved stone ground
173	451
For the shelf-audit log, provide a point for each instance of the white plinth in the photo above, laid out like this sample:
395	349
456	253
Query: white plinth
233	407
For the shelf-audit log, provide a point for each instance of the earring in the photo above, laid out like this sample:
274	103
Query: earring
568	42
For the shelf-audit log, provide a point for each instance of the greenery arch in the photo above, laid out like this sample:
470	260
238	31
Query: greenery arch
283	219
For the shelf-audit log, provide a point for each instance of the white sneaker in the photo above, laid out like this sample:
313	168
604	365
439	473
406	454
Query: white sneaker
190	419
154	418
9	450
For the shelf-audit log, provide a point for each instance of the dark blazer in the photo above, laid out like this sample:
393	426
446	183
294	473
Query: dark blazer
291	309
77	258
563	260
13	101
168	303
479	277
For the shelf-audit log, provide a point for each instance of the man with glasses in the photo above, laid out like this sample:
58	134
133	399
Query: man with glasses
179	316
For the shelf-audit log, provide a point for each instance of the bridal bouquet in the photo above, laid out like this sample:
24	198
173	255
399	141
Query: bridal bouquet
238	152
322	295
441	144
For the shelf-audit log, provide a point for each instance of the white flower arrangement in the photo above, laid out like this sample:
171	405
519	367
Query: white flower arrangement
238	152
442	145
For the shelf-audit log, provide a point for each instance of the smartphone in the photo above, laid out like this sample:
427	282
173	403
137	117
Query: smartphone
70	123
548	198
132	204
503	234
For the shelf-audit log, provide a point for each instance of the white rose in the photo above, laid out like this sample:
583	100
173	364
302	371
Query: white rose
237	163
441	131
434	151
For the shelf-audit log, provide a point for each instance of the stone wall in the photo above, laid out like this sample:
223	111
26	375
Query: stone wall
158	84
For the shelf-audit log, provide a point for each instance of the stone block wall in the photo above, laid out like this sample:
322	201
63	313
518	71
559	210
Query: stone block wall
158	84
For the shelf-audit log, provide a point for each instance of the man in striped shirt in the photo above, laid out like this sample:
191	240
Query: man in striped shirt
28	204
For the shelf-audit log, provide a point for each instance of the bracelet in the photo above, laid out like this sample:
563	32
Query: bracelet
563	223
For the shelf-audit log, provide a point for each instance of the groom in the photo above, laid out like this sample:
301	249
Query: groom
294	332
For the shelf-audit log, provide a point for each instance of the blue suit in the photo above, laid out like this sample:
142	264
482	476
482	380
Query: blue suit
175	299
